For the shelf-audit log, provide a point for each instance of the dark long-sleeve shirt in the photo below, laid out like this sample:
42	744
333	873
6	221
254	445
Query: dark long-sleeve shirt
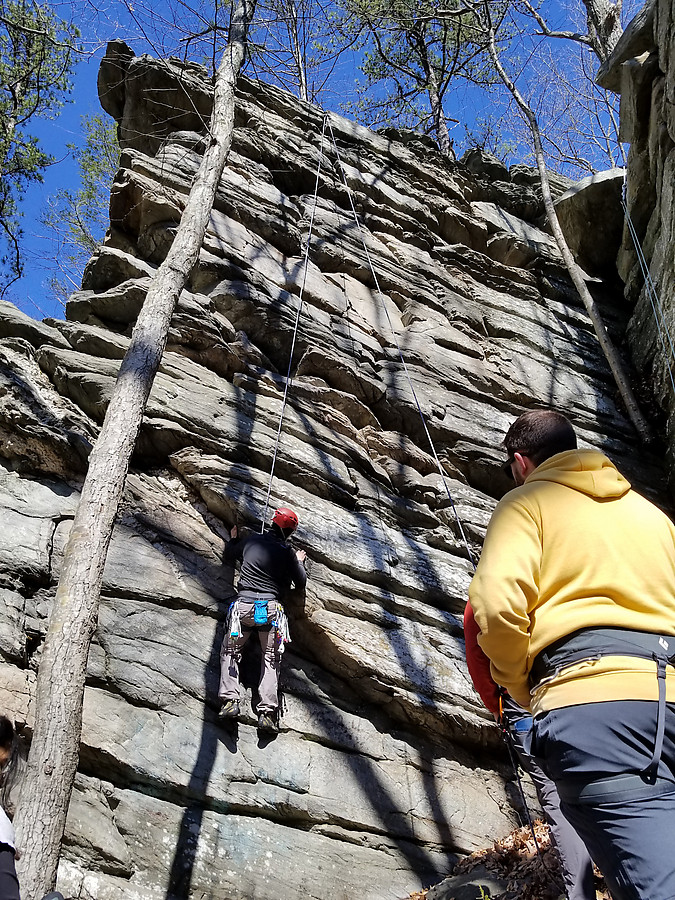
268	565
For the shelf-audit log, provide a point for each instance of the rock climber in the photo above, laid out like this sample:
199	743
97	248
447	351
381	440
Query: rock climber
576	864
574	597
269	566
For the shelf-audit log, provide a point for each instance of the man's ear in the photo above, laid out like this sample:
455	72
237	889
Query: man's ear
524	465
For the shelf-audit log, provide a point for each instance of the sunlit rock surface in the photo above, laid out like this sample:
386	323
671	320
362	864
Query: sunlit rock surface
642	70
386	766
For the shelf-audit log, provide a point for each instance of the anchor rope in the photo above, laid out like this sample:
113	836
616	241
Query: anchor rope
398	347
652	293
289	377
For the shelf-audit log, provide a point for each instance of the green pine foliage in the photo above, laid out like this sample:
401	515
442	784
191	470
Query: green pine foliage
287	46
77	220
413	51
37	54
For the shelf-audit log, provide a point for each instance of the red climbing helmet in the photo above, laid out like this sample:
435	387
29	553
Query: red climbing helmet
285	518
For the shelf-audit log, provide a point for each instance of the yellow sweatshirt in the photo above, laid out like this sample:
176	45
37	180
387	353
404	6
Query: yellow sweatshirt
574	547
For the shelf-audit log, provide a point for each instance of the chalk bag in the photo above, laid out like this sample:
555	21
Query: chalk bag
260	612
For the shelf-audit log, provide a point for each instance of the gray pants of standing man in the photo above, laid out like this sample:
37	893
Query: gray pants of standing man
230	657
576	864
627	822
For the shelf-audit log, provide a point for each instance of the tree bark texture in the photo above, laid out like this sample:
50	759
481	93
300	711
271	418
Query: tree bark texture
54	752
298	54
613	359
438	116
604	26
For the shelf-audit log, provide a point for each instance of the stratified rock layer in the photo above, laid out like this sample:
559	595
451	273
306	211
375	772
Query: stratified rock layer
642	69
386	766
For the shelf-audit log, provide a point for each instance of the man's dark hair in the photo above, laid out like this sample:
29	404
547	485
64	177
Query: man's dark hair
283	533
540	434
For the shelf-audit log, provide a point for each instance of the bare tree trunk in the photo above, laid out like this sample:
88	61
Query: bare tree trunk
298	55
608	348
54	752
440	124
604	26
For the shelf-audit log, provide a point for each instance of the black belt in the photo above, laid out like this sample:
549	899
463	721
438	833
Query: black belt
589	644
621	788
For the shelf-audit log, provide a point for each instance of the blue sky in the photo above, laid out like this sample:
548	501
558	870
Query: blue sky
31	293
99	23
109	20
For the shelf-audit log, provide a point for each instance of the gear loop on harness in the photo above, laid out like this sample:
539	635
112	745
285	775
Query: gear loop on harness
233	628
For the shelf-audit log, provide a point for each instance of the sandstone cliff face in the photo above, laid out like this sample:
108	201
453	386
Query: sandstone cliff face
642	70
387	766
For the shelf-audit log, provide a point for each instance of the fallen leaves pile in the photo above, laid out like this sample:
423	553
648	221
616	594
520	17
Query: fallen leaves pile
528	875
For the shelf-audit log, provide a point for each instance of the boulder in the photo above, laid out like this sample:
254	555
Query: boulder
485	165
591	218
475	885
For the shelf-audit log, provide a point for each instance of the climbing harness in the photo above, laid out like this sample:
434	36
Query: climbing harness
590	644
233	626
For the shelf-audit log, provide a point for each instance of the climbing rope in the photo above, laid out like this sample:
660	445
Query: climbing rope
398	346
657	308
441	471
288	381
509	741
289	377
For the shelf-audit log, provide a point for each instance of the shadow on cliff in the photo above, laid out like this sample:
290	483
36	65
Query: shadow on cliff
182	866
398	822
373	787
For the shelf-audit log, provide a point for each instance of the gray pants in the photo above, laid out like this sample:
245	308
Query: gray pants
631	838
230	657
577	867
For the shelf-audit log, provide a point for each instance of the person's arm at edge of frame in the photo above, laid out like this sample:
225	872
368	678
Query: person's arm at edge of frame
479	665
504	591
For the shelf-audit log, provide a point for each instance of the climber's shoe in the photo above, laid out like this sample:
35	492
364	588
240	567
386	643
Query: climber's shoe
53	895
229	710
267	722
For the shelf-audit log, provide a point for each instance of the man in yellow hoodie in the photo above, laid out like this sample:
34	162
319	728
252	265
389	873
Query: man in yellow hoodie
574	596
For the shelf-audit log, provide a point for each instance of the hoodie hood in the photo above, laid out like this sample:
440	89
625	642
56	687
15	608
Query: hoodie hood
586	471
